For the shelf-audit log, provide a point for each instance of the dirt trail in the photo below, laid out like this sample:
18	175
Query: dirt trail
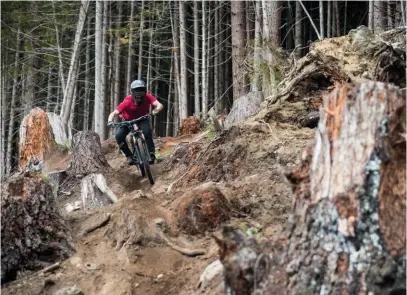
128	254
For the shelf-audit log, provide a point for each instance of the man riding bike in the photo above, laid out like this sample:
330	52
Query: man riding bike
134	106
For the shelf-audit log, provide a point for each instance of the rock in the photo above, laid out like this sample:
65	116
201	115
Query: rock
160	276
211	271
74	290
202	209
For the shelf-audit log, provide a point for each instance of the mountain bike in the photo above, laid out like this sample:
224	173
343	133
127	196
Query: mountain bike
141	156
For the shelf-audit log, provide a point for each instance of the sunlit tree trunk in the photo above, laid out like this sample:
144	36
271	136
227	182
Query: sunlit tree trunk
183	96
129	48
197	102
204	61
371	15
99	103
298	28
140	52
321	18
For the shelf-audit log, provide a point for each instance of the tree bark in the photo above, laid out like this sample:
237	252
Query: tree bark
371	15
204	61
73	67
378	17
141	32
348	230
238	48
129	48
321	18
390	16
99	104
33	232
298	28
175	36
328	20
256	85
86	157
197	102
183	101
117	51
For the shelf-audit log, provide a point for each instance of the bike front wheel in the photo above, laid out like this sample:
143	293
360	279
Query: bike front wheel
145	158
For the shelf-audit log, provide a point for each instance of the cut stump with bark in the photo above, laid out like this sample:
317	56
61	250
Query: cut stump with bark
33	232
90	165
348	231
36	138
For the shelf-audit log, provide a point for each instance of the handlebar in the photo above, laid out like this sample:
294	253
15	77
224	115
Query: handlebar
124	123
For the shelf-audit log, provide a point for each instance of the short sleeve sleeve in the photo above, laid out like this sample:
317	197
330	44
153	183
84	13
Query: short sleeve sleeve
151	98
121	107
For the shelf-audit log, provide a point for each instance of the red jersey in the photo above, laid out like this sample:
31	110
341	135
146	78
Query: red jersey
130	111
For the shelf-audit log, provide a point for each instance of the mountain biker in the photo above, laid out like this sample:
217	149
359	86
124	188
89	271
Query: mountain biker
136	105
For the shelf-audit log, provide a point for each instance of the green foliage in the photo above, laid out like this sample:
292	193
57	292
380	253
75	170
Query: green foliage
161	157
250	231
66	146
211	132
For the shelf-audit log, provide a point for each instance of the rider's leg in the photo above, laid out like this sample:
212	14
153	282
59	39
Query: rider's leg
148	134
121	134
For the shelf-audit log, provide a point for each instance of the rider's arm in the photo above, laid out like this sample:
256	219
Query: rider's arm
112	115
158	106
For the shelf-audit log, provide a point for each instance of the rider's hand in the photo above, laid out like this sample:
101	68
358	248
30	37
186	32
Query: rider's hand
110	123
155	112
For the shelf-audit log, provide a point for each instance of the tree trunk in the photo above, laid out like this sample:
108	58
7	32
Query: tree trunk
175	36
346	15
140	52
183	101
86	108
238	48
298	28
99	104
204	61
170	91
103	74
3	126
73	67
129	48
61	64
390	16
216	50
33	232
349	212
197	102
378	17
337	19
256	85
117	51
275	7
371	15
328	20
321	18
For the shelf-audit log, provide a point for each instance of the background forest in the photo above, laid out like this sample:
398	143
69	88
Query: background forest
78	58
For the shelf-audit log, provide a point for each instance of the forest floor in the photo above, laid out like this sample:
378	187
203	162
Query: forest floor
127	255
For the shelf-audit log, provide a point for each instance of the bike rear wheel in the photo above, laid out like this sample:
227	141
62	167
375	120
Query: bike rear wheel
145	158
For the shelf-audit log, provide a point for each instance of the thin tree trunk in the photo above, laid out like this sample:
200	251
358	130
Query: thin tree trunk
129	61
204	62
117	51
170	90
176	49
403	13
183	102
3	107
216	63
371	15
61	64
49	90
346	14
99	104
378	17
337	19
86	108
298	28
197	102
256	85
104	97
275	7
321	18
390	21
17	67
140	52
71	83
238	49
328	21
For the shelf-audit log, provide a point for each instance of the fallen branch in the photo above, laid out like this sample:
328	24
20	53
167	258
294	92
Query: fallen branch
95	226
184	251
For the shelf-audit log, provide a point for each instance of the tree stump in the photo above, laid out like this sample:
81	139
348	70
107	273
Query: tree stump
36	138
33	233
349	212
89	164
